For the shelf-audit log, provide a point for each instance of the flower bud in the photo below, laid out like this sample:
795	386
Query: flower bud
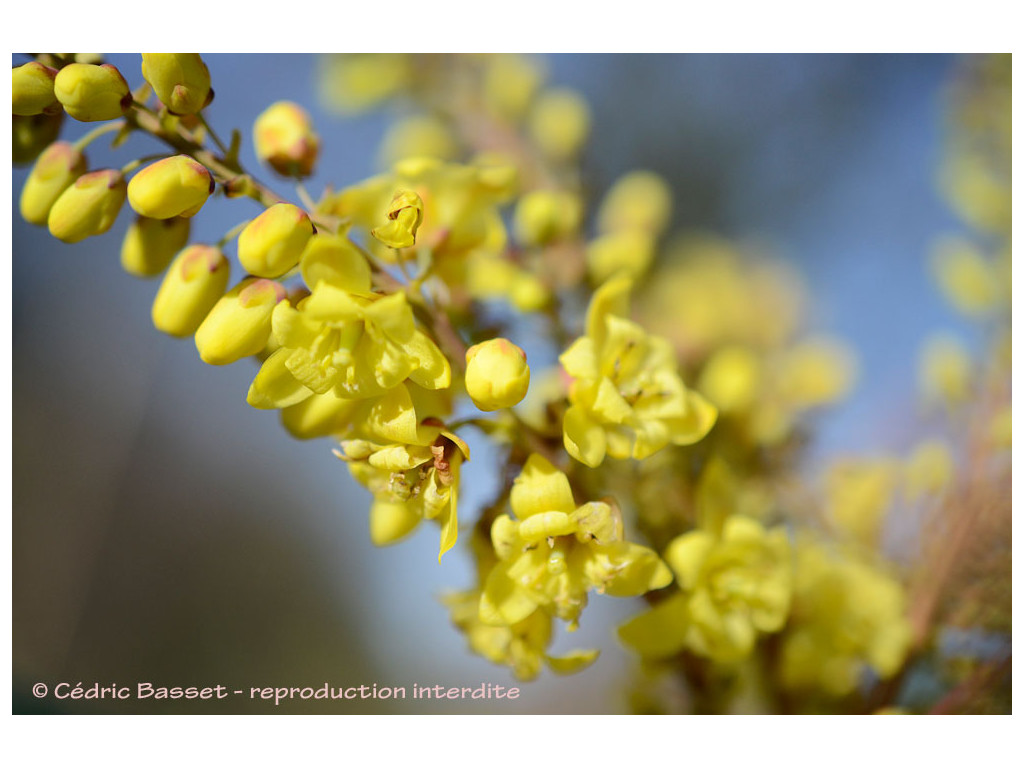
88	207
191	287
640	200
559	123
405	214
174	186
273	242
32	90
92	92
180	80
54	171
497	375
31	135
150	244
239	324
545	215
284	139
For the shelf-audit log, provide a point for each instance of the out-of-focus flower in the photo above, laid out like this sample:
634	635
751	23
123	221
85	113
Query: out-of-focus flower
627	399
284	138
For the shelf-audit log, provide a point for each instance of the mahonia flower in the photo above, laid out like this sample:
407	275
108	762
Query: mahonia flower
848	615
356	344
521	646
413	479
556	552
284	139
735	582
627	398
150	244
87	207
458	206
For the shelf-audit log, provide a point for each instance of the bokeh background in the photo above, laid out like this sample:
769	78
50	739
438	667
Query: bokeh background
164	531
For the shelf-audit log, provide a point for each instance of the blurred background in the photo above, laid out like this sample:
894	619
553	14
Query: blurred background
164	531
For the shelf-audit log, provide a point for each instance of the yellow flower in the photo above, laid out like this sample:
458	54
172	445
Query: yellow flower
417	136
414	479
174	186
945	371
344	338
626	398
556	552
522	646
859	493
57	168
405	214
969	280
929	470
628	251
735	582
88	207
180	80
31	135
92	92
497	375
847	616
284	139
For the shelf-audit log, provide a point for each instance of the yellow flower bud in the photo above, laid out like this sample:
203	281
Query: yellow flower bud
92	92
497	375
284	139
273	242
174	186
193	284
405	214
32	90
418	136
560	122
31	135
545	215
55	171
628	251
88	207
640	200
239	324
150	244
180	80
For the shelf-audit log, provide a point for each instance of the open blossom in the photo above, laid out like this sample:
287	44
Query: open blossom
734	584
627	399
555	552
412	479
345	339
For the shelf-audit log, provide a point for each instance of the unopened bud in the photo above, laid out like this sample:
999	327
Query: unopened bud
639	201
32	90
92	92
560	123
545	216
273	242
150	244
174	186
239	324
190	289
497	375
284	138
180	80
54	171
88	207
31	135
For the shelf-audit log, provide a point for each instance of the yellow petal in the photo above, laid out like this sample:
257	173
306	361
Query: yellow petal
275	386
390	522
450	519
686	554
659	632
572	662
540	488
503	603
584	439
